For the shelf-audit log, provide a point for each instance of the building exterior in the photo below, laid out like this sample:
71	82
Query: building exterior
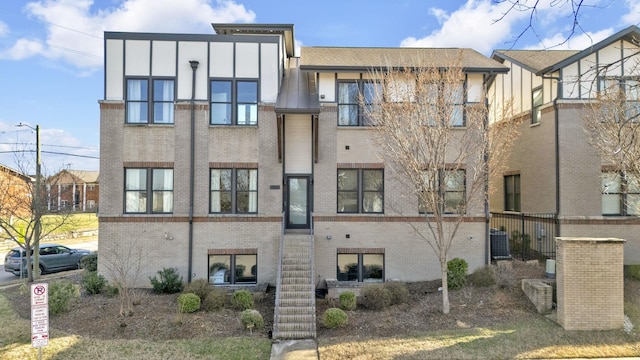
15	198
73	190
216	149
552	168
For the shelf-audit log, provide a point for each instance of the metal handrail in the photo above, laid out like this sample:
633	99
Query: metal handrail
276	313
313	268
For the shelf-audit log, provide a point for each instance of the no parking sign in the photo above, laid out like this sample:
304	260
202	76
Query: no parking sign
39	315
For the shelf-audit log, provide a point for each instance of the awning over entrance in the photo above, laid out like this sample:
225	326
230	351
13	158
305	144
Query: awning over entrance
298	95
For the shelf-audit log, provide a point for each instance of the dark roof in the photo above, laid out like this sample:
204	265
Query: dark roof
269	29
298	93
363	59
533	60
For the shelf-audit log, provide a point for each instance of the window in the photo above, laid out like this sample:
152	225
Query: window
143	184
620	194
360	191
350	113
234	191
91	204
623	89
227	109
512	193
233	269
138	101
361	267
91	187
536	105
448	187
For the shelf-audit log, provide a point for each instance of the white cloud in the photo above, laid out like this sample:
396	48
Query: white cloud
632	17
474	25
559	41
4	29
74	28
22	49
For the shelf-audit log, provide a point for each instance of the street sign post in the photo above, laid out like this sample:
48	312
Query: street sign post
39	315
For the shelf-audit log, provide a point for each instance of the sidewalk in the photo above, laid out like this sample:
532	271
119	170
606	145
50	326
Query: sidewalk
294	350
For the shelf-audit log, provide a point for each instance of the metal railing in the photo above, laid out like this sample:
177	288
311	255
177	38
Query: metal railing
530	236
276	313
313	269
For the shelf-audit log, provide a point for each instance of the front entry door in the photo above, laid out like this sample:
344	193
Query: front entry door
297	206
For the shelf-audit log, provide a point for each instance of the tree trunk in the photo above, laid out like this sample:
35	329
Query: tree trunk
445	288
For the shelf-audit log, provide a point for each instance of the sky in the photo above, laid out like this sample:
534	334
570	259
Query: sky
51	51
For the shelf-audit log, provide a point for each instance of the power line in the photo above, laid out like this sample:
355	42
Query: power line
50	152
74	30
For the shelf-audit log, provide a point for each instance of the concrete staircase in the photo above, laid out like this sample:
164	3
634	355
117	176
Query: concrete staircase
295	308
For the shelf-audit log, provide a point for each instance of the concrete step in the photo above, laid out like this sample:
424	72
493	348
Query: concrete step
295	302
306	326
296	319
297	310
297	287
290	335
295	295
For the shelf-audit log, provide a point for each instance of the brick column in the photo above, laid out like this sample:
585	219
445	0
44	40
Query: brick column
590	283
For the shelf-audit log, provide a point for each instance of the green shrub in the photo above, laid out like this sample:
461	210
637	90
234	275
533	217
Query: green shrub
457	273
111	290
251	319
61	294
89	262
170	282
200	287
242	300
347	300
633	271
399	292
215	299
482	277
375	297
93	283
188	303
334	317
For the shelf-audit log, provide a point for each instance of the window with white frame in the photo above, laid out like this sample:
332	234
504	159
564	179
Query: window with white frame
226	269
536	105
148	190
361	267
350	113
234	191
620	193
361	191
139	108
234	102
448	188
512	192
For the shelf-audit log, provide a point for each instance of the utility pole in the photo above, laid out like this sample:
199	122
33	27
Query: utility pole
36	208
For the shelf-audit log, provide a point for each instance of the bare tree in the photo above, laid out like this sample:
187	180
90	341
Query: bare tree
25	220
123	265
532	7
612	126
442	157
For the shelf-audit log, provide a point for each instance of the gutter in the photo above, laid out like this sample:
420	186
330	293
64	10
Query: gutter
194	67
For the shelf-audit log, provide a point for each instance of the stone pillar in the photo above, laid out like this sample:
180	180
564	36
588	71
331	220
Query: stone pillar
590	283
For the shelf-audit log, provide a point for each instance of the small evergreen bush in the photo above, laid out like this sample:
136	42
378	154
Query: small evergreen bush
375	297
457	273
170	282
215	299
251	319
633	271
347	300
482	277
61	294
242	300
188	303
89	262
111	290
334	317
199	287
399	292
92	282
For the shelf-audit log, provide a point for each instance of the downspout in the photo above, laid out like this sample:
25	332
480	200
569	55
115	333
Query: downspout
194	67
557	143
485	159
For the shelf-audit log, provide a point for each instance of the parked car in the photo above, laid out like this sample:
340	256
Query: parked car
53	258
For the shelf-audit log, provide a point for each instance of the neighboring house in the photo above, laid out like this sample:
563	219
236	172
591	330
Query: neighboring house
15	194
552	168
73	190
217	148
